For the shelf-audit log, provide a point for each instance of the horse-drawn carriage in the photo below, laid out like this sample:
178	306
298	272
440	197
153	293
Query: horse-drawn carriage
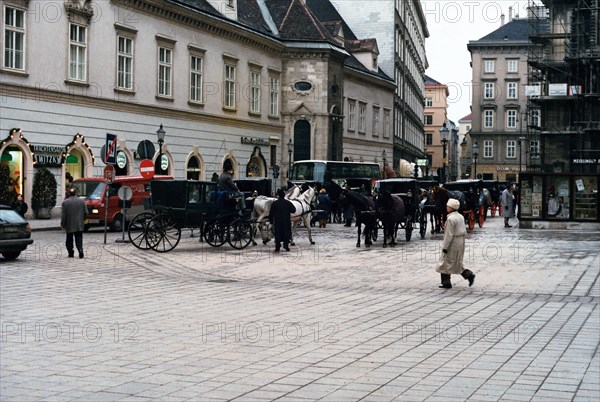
473	202
493	187
408	190
178	204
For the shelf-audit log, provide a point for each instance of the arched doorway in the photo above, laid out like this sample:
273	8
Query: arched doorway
74	164
11	174
193	170
257	165
302	148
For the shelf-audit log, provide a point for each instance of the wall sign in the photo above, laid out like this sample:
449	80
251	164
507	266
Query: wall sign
47	155
254	141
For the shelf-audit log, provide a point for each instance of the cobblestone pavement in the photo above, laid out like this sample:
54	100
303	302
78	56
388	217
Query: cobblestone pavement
328	322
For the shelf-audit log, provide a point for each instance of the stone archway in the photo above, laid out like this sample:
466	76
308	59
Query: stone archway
194	166
257	165
16	159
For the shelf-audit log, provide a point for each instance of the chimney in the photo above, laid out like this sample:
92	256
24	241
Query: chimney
502	19
510	14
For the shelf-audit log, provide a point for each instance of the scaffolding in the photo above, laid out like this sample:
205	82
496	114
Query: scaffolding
564	70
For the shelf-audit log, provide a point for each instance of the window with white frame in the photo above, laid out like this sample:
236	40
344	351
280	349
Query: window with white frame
513	65
273	96
535	118
488	118
488	66
229	93
488	90
511	149
488	149
387	116
77	52
124	63
362	117
428	139
165	71
254	92
196	78
428	101
511	90
14	38
375	121
351	115
534	148
428	119
511	118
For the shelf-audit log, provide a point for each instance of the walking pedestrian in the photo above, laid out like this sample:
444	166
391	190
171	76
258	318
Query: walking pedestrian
508	207
19	205
280	216
74	213
453	248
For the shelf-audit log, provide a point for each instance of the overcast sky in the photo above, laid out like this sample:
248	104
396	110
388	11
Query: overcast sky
452	24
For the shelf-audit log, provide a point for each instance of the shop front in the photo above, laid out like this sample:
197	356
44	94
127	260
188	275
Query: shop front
558	200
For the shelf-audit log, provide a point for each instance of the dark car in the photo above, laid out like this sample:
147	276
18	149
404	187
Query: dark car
15	233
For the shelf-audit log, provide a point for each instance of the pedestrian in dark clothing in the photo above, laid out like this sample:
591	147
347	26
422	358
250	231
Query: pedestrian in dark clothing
324	206
20	205
453	248
74	212
280	216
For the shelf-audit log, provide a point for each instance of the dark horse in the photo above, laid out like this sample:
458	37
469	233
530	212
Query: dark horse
390	210
335	192
438	197
365	215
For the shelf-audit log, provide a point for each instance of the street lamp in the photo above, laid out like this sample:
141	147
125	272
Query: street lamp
444	140
384	159
160	133
290	147
475	155
521	139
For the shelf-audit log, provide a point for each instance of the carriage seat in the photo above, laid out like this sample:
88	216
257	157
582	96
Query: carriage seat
223	200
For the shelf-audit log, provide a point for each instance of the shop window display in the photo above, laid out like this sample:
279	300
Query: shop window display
557	197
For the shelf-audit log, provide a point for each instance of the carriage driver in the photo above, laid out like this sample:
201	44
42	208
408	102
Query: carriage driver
225	183
453	249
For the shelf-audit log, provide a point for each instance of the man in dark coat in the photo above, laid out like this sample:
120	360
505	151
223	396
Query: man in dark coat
74	212
280	216
20	205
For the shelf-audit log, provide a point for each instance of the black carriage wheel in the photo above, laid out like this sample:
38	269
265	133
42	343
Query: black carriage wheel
239	234
215	233
137	230
162	234
408	229
423	224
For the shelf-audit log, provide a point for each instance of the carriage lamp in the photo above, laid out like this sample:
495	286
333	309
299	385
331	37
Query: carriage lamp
444	140
160	134
475	155
290	147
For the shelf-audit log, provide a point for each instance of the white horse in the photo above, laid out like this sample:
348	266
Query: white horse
302	202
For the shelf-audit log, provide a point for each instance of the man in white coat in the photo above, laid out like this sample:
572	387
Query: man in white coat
453	249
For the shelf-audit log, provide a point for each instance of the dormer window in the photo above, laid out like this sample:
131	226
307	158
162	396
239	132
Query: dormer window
231	3
374	62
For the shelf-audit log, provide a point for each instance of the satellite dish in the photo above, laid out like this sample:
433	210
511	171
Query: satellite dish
145	149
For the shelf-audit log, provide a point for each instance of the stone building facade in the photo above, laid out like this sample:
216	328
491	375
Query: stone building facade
231	80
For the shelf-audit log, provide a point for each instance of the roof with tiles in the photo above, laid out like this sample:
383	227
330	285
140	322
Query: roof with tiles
517	30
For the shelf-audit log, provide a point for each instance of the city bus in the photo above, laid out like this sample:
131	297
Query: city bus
360	176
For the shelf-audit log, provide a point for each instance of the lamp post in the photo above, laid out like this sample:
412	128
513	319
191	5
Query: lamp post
521	139
290	147
160	133
444	140
475	156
